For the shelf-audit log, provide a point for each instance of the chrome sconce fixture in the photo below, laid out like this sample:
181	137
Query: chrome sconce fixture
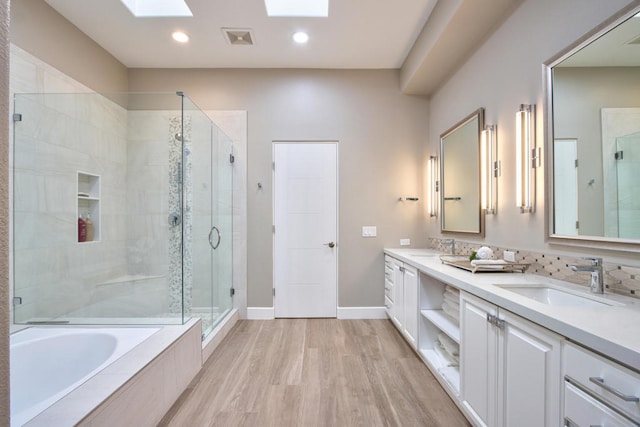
527	158
433	185
489	169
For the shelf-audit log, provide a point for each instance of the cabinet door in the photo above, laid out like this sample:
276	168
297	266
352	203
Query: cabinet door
478	350
397	310
528	374
411	305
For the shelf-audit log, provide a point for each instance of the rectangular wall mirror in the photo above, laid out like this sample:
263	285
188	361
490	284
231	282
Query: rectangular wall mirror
460	176
593	135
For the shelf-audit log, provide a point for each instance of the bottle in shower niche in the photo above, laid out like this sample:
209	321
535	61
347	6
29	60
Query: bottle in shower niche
89	225
82	230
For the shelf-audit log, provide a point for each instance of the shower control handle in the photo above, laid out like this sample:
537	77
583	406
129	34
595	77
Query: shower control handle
211	234
174	219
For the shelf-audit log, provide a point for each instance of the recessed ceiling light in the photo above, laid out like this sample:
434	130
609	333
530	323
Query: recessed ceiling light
180	37
314	8
300	37
155	8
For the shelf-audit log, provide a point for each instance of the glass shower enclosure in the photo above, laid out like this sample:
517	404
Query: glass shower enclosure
122	210
628	188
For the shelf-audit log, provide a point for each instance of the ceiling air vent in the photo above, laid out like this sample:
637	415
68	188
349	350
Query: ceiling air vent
238	36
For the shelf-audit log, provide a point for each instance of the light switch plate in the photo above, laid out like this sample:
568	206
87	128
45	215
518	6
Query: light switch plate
405	242
509	256
369	231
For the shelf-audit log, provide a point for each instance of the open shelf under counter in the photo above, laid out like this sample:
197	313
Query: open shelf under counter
450	374
443	322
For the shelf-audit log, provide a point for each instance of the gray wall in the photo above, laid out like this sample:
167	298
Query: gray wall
505	72
381	132
44	33
595	87
4	213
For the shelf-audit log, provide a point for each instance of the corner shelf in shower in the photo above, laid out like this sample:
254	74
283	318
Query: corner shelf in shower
88	201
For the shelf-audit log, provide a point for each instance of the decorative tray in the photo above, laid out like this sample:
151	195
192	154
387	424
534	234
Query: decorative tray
497	266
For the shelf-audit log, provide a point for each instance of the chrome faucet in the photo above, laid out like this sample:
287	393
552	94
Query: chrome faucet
597	279
451	243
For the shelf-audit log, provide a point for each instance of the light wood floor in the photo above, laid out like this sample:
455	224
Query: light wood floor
314	372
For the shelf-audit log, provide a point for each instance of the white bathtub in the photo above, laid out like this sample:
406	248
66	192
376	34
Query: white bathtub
49	362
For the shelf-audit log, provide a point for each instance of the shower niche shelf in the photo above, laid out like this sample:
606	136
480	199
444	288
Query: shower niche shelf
88	202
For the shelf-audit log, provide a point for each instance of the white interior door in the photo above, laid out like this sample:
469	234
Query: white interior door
305	219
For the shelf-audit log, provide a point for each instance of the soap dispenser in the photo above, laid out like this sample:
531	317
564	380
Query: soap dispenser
89	226
82	230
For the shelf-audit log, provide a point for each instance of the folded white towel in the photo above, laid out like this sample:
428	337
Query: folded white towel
449	345
452	312
497	264
454	299
447	359
452	290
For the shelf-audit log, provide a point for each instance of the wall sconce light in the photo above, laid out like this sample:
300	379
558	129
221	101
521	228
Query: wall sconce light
527	158
432	186
489	169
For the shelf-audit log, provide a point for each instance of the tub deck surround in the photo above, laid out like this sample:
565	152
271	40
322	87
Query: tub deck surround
43	370
610	330
163	365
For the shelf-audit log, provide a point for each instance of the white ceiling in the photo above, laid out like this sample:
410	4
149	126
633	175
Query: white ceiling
610	50
375	34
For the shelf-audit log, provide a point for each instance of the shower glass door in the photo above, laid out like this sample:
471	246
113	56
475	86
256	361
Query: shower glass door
222	220
627	164
208	168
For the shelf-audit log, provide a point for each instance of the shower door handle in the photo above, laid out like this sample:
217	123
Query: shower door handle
211	234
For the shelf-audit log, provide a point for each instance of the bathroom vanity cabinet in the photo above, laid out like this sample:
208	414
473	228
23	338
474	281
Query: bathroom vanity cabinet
598	391
403	286
510	367
434	323
517	365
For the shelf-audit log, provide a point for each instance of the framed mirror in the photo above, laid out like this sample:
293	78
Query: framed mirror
593	137
460	176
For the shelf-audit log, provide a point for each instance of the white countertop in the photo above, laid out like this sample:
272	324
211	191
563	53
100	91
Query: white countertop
611	330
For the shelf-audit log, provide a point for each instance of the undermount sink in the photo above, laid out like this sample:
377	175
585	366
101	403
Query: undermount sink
555	296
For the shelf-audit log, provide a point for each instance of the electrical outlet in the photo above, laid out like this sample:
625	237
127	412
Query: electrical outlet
509	256
405	242
369	231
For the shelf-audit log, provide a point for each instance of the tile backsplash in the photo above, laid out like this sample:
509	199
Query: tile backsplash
619	279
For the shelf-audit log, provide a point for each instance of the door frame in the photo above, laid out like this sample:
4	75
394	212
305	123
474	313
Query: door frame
273	210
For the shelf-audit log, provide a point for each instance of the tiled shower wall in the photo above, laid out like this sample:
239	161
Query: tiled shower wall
125	273
619	279
57	137
139	208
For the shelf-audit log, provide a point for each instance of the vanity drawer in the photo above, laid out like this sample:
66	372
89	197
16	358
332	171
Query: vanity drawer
388	272
580	410
613	383
388	289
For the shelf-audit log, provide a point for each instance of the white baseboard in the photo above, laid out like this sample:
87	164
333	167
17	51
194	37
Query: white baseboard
268	313
362	313
261	313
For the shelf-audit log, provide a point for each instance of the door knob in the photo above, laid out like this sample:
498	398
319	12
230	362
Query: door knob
330	244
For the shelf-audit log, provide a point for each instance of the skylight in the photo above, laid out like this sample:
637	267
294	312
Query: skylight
307	8
157	8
